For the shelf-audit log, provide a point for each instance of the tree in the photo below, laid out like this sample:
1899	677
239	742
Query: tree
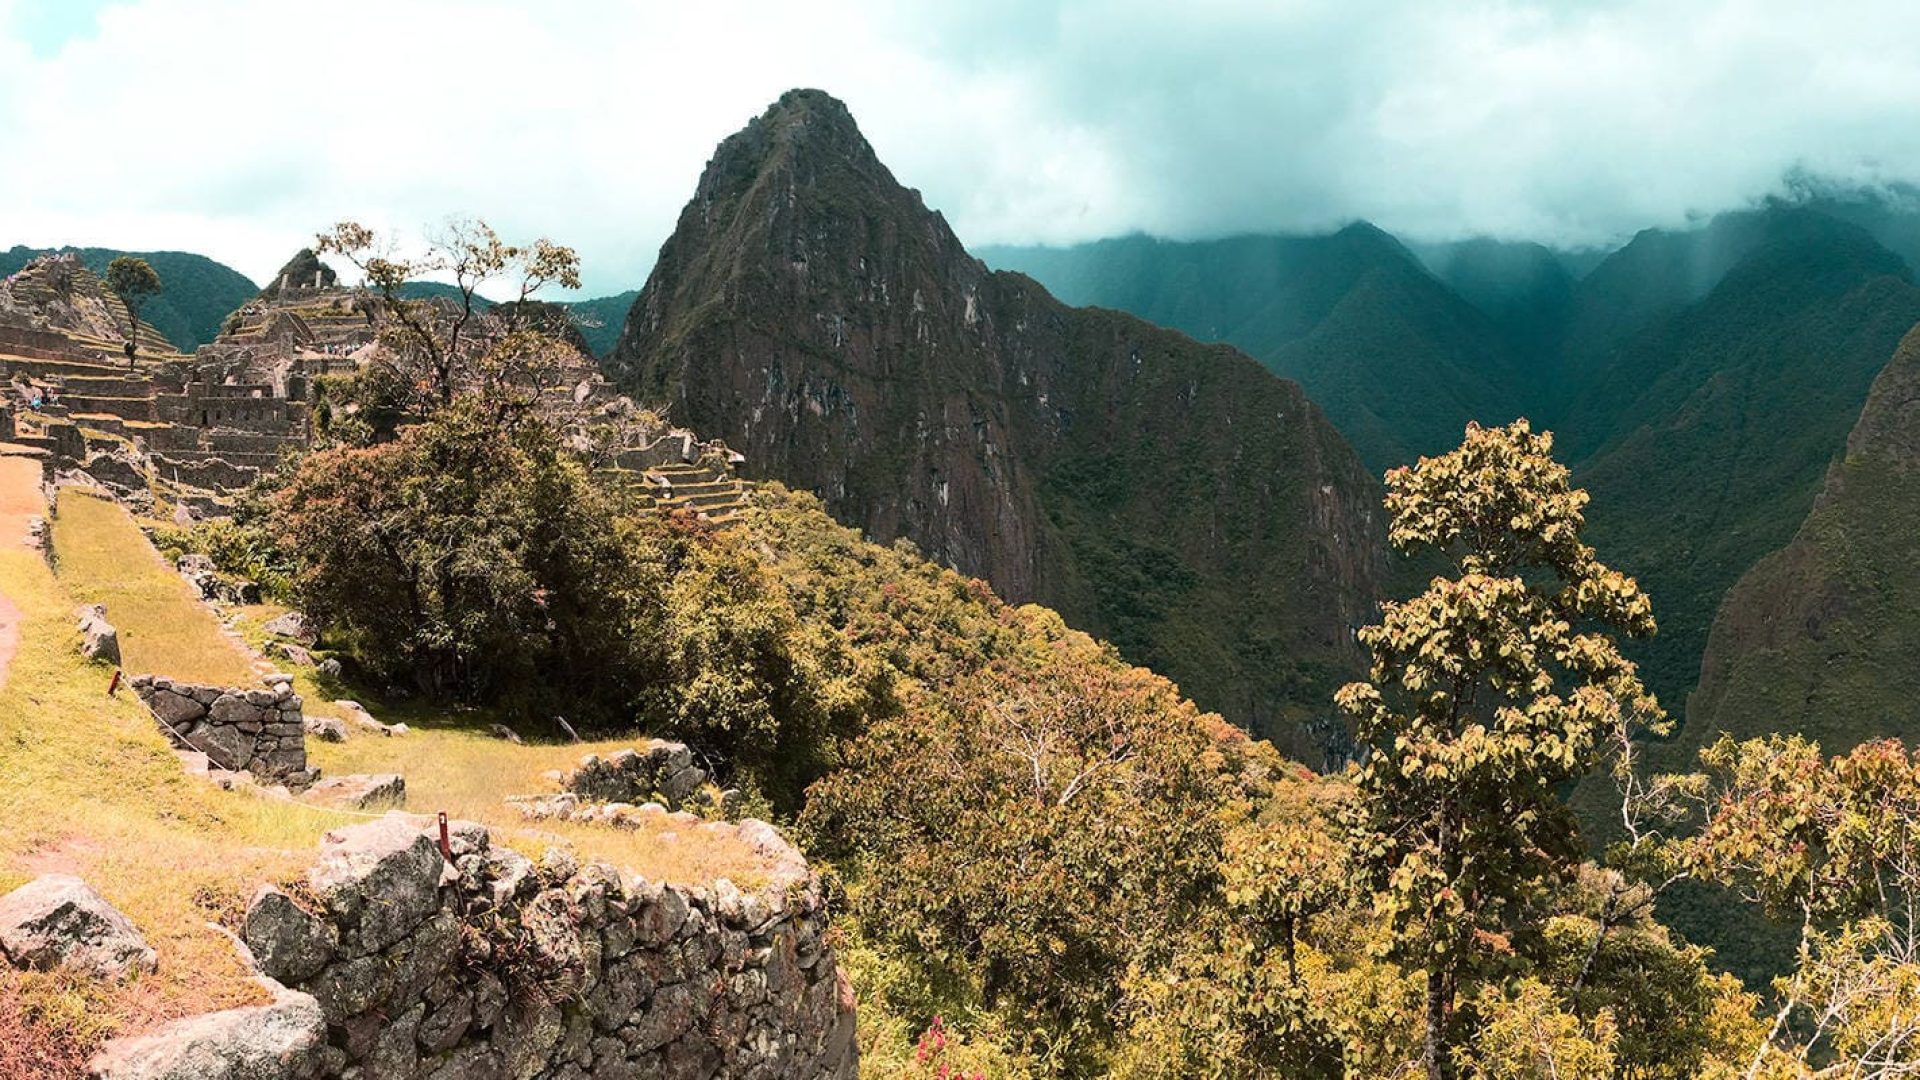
133	280
1486	692
435	348
473	563
1022	837
1834	846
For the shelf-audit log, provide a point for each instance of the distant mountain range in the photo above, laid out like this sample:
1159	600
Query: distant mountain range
1199	512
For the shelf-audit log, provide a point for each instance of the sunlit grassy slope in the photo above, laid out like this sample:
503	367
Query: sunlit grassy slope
105	559
88	786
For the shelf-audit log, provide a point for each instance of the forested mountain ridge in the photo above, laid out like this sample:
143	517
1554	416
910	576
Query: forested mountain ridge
1820	636
1172	497
197	293
1398	360
1705	441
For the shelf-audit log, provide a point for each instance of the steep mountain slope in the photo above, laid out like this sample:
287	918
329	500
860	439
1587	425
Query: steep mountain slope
1399	361
1820	636
198	292
1170	496
1705	436
1525	288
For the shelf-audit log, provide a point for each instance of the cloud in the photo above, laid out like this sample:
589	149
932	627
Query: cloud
240	127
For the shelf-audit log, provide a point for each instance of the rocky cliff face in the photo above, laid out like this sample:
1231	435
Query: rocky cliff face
1174	497
1820	636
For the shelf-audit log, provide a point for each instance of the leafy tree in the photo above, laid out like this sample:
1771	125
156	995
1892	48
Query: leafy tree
133	280
469	561
1834	846
1024	837
1487	692
437	346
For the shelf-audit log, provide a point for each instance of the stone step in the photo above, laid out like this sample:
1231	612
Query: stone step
699	487
711	499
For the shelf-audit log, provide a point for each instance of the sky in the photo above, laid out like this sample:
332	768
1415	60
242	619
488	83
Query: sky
239	128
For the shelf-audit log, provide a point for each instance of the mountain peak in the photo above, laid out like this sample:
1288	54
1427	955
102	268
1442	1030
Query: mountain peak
303	271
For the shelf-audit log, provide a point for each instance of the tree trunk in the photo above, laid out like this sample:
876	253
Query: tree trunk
1437	1056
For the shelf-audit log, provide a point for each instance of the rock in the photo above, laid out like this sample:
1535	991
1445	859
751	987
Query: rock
329	667
293	653
98	639
57	921
326	728
282	1041
292	625
361	791
502	731
288	942
382	879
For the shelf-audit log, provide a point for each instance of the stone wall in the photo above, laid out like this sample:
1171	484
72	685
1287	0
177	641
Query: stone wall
496	967
260	731
656	768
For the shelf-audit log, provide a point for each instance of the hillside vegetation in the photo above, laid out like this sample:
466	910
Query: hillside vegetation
196	296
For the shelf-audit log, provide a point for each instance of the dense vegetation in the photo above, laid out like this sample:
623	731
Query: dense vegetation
199	292
1057	867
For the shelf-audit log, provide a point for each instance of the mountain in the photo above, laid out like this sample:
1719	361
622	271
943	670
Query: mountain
1703	434
598	320
601	319
1525	288
1400	361
1173	497
303	271
197	293
1819	637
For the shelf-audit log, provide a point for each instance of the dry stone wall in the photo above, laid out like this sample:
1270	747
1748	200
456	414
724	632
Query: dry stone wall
260	731
656	768
490	966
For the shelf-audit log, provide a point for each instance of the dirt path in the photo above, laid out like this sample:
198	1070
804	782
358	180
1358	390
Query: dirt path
20	501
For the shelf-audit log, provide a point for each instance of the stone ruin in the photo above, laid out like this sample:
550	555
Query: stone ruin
197	429
391	960
260	731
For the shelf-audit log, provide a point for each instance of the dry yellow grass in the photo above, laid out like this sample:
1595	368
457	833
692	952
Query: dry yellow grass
104	558
19	498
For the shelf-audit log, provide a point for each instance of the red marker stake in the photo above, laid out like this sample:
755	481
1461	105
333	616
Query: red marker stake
446	846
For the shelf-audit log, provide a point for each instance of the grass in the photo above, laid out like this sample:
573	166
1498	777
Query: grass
88	786
104	558
453	765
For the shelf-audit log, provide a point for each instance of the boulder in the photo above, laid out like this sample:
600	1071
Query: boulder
58	921
360	791
326	728
296	654
291	625
287	941
381	879
98	639
286	1040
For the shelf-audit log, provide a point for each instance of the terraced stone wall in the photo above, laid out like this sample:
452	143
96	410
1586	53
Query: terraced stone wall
492	966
